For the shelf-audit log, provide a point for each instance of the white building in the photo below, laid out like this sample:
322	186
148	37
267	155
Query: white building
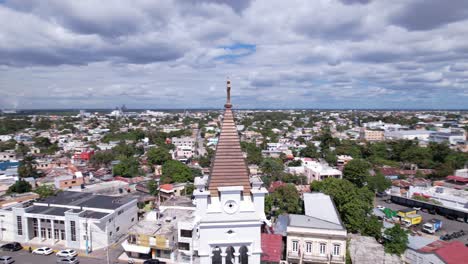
183	142
70	219
316	171
319	236
422	135
229	208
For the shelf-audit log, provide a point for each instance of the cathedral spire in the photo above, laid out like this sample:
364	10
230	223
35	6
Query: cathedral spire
228	167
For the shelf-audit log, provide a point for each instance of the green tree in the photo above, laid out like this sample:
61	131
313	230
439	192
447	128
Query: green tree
45	190
378	182
22	149
20	186
357	172
102	158
7	145
397	240
310	151
285	199
27	167
295	163
254	153
272	167
153	187
127	167
158	156
176	171
189	188
372	227
419	156
330	157
353	203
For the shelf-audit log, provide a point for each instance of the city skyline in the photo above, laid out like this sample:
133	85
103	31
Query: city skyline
348	54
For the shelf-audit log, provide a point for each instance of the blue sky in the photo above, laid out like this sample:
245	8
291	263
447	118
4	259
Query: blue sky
278	54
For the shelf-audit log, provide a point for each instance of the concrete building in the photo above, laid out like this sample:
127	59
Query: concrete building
7	156
154	236
372	135
422	135
229	205
448	137
319	236
183	142
315	171
70	219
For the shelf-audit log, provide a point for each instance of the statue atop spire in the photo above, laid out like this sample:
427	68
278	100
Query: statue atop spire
228	90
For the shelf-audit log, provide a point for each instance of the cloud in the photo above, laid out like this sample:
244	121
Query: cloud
175	53
430	14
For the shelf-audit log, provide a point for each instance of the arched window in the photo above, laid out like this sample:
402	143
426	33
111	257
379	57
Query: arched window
216	259
243	257
230	255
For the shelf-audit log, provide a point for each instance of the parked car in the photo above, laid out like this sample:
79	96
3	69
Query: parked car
14	246
381	194
43	251
152	261
73	260
380	207
6	260
67	253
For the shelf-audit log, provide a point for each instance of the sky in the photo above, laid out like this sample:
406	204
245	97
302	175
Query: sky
277	54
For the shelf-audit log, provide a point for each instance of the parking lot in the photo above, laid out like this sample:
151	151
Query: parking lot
97	257
448	226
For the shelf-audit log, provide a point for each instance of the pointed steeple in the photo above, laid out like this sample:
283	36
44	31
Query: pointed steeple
229	167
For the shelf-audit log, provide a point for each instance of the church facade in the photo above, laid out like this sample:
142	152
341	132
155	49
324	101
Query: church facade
229	204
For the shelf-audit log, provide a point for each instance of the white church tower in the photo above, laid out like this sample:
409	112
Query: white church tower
230	206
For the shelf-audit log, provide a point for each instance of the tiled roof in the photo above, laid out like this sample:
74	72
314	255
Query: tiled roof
229	167
271	247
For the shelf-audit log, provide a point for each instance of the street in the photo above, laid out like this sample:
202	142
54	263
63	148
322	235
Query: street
98	257
448	226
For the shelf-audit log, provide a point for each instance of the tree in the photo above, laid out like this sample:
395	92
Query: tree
372	227
396	240
153	187
310	151
158	156
419	156
330	157
27	167
102	158
295	163
353	204
285	199
272	167
45	190
254	153
20	186
127	167
189	188
7	145
176	171
22	149
378	183
357	172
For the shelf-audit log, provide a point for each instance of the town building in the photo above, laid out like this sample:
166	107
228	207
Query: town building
315	170
319	236
70	219
372	135
229	205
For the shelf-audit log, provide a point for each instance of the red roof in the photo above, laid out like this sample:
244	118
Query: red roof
167	187
453	253
457	178
275	185
272	246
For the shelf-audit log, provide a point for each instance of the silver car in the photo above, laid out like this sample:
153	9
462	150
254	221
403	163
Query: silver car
6	260
73	260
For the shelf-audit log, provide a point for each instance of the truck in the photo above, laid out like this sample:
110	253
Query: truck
432	226
411	220
403	213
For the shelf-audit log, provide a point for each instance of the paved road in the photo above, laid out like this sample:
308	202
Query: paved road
98	257
448	226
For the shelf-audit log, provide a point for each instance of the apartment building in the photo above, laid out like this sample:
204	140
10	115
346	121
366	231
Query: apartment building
319	236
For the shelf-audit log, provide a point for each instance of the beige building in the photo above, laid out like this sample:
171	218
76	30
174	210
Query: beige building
372	135
319	236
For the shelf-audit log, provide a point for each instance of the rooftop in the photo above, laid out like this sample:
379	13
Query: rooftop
86	200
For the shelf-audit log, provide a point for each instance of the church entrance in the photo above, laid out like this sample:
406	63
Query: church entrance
230	256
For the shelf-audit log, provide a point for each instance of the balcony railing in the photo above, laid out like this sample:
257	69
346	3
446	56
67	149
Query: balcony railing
316	258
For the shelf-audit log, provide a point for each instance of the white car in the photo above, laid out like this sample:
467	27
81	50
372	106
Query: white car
6	260
43	251
67	253
380	207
